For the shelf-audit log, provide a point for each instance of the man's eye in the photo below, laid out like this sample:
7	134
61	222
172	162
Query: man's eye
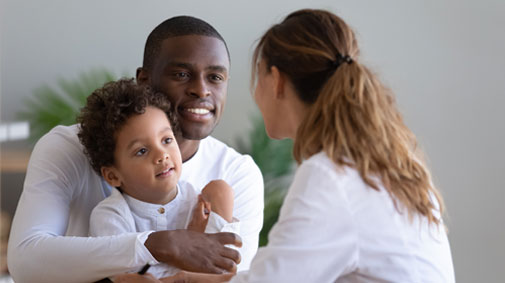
181	75
167	140
141	152
217	78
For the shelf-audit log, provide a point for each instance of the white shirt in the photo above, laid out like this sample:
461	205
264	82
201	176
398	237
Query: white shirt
121	213
48	240
334	228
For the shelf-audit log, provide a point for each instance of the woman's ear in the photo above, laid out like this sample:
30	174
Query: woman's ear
278	82
111	176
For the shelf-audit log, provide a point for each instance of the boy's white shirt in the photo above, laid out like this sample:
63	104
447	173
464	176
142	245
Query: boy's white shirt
49	239
121	213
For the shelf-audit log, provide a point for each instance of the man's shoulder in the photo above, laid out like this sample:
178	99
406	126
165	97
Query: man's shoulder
217	160
64	131
234	160
61	136
223	156
211	142
60	147
215	149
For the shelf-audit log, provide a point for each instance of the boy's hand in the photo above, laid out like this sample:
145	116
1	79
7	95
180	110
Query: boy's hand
200	215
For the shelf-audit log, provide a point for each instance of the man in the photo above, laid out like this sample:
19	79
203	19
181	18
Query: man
188	60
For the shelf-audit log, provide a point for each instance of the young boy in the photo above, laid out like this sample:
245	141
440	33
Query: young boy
128	133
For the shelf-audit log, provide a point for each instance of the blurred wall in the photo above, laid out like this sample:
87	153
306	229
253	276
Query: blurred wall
444	59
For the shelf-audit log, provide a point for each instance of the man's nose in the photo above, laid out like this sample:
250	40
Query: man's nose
199	88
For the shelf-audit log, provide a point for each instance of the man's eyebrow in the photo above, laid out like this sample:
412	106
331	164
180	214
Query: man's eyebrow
217	68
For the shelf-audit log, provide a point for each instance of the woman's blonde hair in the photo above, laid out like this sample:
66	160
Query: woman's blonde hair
352	116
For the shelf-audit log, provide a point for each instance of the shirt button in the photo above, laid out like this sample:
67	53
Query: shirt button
161	210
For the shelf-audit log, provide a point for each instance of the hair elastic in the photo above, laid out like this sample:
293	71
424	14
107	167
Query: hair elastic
341	59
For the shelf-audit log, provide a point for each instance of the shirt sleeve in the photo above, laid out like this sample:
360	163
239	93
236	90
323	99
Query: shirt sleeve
247	183
315	239
38	251
218	224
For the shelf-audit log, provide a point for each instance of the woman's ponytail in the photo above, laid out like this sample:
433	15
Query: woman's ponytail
352	117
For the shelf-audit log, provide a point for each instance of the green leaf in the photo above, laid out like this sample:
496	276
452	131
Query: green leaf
49	107
275	160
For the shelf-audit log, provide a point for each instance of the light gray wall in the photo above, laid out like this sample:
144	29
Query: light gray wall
445	61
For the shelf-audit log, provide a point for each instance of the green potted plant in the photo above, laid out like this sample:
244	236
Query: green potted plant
49	107
275	160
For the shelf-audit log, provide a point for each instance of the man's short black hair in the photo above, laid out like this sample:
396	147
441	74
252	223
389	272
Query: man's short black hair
176	26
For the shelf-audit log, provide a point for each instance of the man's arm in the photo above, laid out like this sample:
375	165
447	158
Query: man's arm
38	251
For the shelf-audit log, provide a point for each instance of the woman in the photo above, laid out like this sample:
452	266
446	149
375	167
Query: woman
362	207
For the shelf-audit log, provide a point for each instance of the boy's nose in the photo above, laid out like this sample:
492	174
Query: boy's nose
163	157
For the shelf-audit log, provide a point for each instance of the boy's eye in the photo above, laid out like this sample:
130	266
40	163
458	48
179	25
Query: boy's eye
167	140
141	152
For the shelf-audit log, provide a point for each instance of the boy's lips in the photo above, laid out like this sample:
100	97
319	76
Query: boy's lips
166	172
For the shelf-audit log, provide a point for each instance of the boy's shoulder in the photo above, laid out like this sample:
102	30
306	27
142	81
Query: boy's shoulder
114	203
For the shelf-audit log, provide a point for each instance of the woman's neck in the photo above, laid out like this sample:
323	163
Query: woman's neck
296	112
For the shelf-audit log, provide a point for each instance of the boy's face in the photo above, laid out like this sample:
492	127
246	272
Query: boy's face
147	159
193	71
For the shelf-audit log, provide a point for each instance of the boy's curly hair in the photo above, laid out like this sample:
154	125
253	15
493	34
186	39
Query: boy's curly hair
107	110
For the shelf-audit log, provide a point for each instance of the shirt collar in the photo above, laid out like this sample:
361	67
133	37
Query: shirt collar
143	208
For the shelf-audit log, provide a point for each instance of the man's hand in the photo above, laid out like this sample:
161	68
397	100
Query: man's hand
193	277
194	251
136	278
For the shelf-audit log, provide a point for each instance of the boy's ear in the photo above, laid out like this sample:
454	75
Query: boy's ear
111	176
278	82
142	76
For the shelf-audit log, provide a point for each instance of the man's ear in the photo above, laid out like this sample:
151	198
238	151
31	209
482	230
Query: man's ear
142	76
278	82
111	175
